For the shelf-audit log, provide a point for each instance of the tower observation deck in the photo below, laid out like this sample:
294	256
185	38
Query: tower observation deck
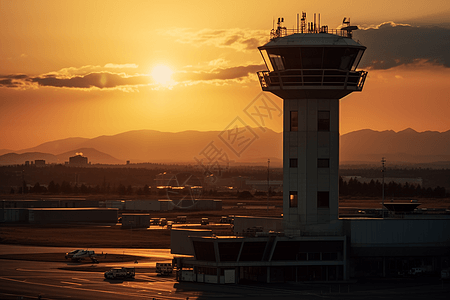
311	69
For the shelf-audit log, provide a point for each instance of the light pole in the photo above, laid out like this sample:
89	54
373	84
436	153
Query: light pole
268	183
383	169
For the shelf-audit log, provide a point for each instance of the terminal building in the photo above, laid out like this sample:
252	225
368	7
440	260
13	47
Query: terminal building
311	68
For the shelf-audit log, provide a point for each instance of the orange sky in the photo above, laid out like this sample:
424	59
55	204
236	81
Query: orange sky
84	68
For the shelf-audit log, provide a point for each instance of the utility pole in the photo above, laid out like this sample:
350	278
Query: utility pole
383	170
268	183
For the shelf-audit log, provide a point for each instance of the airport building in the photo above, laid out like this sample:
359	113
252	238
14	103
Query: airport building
78	160
311	68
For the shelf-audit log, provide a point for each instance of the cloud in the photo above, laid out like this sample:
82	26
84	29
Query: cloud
237	39
75	78
232	73
92	80
390	45
121	66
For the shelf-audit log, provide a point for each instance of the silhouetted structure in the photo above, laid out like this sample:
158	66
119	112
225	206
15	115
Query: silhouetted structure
311	68
78	160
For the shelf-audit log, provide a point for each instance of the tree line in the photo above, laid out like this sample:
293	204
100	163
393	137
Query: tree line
391	189
350	188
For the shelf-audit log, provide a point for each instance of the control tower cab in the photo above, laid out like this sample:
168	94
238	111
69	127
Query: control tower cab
311	68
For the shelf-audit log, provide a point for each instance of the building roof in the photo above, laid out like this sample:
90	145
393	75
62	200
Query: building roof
312	39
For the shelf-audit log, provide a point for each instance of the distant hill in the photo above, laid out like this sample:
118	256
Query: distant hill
6	151
358	147
407	146
58	146
20	159
94	156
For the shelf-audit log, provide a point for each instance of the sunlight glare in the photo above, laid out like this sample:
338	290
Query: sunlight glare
162	74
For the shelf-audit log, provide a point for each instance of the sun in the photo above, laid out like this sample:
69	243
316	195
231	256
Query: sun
162	74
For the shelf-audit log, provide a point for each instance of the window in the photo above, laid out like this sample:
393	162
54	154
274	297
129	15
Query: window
294	120
293	162
323	199
323	120
277	62
323	163
293	199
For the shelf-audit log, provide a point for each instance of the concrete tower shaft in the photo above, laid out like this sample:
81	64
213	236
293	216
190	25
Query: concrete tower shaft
311	71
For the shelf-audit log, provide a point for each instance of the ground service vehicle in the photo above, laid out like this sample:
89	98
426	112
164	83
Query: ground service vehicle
164	269
72	253
78	255
120	273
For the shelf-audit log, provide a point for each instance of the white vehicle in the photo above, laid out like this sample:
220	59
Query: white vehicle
164	268
120	273
416	271
72	253
78	255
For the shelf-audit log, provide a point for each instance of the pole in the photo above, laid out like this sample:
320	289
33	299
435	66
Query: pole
383	169
268	183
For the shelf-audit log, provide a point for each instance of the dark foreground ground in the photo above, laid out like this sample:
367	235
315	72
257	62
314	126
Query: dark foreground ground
112	236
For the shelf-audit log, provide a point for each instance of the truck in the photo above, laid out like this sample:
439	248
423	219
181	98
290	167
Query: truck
120	273
164	269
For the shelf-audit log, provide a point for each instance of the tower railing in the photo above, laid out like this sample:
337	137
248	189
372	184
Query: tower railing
283	31
353	80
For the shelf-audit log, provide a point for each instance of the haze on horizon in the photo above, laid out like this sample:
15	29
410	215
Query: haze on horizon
86	69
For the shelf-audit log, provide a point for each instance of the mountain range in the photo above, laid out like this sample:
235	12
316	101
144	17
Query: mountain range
255	146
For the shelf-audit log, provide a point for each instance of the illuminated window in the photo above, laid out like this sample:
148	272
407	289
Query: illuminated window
293	162
323	199
294	120
323	163
293	199
323	120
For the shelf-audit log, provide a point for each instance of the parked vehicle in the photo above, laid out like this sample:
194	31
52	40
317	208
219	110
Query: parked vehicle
204	221
227	219
164	269
181	219
416	271
169	224
162	222
72	253
79	254
120	273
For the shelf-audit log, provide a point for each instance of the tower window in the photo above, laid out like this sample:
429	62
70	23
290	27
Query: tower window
277	61
323	163
293	199
323	199
294	120
323	120
293	163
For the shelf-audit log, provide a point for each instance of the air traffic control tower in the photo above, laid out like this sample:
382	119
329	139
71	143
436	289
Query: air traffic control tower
311	68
